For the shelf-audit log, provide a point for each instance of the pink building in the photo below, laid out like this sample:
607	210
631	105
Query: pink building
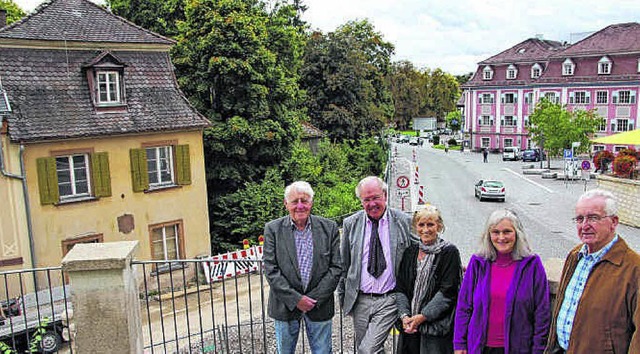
601	72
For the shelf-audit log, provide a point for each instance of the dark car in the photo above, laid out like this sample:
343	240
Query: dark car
531	155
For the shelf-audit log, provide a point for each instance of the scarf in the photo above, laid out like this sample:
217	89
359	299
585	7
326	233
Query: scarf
424	281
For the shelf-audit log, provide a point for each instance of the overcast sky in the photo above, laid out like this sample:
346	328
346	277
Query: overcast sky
455	35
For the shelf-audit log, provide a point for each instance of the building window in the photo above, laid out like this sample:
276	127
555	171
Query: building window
167	243
67	245
486	142
622	125
508	142
536	71
486	98
108	85
528	98
617	148
552	97
512	72
624	97
597	148
568	67
485	120
160	166
602	127
604	66
579	97
509	121
73	177
487	73
509	98
157	167
602	97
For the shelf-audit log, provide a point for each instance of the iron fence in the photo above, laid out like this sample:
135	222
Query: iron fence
183	312
35	321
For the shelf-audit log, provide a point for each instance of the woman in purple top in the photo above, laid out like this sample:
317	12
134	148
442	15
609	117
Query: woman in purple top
503	305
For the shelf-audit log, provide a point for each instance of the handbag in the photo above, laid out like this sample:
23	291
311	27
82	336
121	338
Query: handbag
440	327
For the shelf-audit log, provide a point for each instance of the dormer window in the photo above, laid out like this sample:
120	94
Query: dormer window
604	66
108	86
487	73
512	72
536	71
105	75
568	67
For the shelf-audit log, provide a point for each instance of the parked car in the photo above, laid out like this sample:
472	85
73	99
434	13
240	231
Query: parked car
531	155
490	189
414	141
402	139
511	153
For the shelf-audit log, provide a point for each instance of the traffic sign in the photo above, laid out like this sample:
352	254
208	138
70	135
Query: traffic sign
403	192
568	154
403	182
586	165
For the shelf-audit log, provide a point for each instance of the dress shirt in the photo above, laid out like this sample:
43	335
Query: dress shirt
304	251
574	291
387	281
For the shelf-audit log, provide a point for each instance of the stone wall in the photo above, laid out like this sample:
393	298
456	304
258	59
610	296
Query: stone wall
627	191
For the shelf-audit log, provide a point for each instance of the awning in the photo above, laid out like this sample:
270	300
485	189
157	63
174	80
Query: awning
631	137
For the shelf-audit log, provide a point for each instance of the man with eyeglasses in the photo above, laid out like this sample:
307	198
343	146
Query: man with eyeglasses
302	265
373	241
596	309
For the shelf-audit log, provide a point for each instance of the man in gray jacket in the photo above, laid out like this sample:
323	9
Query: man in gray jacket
373	241
302	265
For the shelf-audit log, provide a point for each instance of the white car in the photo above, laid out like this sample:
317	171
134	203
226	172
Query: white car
490	189
414	141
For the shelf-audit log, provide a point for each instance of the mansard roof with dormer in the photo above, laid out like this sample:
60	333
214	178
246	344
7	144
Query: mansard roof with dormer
521	56
52	87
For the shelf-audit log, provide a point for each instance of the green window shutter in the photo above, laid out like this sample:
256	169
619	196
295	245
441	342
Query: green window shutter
100	174
139	174
47	180
183	165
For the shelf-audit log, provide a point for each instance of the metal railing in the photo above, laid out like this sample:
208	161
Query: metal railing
34	321
183	312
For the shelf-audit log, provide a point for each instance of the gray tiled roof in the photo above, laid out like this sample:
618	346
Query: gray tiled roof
530	50
613	39
311	131
50	98
48	89
79	21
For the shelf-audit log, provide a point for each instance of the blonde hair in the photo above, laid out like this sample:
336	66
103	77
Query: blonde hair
426	212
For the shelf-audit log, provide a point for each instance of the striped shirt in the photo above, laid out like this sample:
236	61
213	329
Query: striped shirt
574	291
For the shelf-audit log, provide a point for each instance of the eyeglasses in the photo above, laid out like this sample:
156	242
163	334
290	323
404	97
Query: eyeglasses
591	219
375	198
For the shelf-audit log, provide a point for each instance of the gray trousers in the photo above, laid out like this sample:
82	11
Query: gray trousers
373	318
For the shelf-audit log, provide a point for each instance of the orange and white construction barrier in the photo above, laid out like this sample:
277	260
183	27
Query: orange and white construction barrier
421	195
416	175
237	263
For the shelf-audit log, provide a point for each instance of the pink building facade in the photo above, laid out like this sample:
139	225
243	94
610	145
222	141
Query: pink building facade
600	72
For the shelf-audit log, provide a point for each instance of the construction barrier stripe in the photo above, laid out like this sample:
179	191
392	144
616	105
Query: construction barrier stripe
216	269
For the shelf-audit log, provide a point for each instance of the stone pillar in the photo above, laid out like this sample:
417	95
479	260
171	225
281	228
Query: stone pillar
105	297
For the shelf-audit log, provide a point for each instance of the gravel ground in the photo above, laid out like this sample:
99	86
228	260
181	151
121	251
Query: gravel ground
253	338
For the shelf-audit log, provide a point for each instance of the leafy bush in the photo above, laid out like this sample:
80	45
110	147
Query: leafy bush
600	156
452	142
436	140
623	165
629	152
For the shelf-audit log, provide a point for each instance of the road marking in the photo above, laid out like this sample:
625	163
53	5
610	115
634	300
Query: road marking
528	180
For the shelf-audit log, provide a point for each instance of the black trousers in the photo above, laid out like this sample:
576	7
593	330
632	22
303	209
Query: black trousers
490	350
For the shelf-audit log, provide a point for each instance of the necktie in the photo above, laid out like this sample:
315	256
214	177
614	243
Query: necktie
377	263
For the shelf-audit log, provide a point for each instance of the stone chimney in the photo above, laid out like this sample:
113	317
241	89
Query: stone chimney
3	18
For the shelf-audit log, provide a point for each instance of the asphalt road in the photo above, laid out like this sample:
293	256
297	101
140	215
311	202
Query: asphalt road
545	206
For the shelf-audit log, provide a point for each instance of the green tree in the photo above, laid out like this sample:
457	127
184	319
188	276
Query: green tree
237	65
554	127
440	91
454	120
403	81
344	79
14	12
462	79
160	16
